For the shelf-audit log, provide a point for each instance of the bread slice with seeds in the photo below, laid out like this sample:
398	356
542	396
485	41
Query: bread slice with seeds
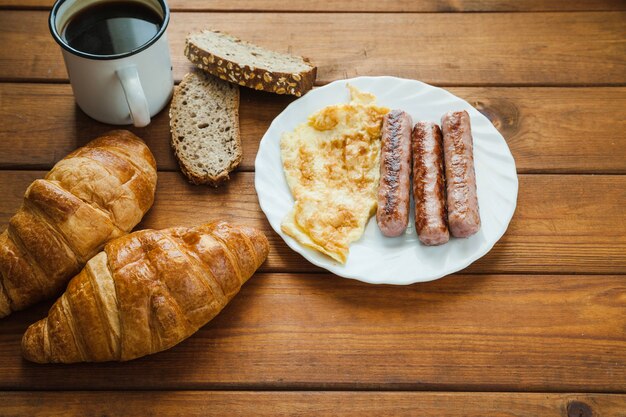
204	123
249	65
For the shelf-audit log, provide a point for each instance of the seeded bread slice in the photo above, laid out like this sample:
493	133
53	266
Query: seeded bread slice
249	65
204	122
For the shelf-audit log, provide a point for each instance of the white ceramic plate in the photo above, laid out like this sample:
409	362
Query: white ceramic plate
403	260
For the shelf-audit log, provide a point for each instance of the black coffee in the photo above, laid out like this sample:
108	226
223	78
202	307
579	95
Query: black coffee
112	28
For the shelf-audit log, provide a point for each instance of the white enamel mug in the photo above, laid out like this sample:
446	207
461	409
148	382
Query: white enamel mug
120	89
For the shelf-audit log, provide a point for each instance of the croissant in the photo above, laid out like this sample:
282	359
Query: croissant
146	292
96	193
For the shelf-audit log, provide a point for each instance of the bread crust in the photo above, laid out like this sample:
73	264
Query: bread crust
253	77
95	194
146	292
193	178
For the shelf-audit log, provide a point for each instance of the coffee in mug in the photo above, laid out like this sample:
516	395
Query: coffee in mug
111	28
117	56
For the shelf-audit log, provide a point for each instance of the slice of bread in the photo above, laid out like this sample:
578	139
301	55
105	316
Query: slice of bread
204	122
249	65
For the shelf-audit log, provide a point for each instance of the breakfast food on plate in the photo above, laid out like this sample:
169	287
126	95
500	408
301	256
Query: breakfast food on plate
95	194
463	215
204	123
146	292
249	65
444	182
204	114
428	184
331	164
392	214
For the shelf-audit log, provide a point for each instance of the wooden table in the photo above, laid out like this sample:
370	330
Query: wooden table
535	328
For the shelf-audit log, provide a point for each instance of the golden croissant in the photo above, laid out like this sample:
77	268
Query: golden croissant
96	193
146	292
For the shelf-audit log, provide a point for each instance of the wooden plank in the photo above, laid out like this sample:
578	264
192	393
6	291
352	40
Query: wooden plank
405	6
549	130
307	403
444	49
563	224
543	333
42	124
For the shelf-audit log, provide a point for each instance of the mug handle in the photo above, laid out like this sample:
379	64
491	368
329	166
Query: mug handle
135	97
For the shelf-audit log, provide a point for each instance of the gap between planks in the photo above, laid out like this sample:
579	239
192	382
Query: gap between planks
65	81
249	388
176	9
536	172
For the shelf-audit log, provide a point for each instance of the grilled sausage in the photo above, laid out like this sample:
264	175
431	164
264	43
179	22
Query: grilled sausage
392	214
463	215
428	184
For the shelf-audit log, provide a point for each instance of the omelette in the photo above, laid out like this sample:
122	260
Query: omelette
332	166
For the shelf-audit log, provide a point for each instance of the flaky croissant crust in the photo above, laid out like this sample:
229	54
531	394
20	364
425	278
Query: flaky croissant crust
97	193
146	292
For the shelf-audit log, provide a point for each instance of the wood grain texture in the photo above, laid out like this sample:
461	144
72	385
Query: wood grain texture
296	331
307	403
563	224
37	133
483	48
549	130
369	5
542	312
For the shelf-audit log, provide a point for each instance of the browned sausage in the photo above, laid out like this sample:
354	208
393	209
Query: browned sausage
463	215
428	184
395	174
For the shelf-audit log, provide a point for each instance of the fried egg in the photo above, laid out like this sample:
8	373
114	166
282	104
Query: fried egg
331	163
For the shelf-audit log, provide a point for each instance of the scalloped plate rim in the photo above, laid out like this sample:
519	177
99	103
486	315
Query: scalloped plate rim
334	267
